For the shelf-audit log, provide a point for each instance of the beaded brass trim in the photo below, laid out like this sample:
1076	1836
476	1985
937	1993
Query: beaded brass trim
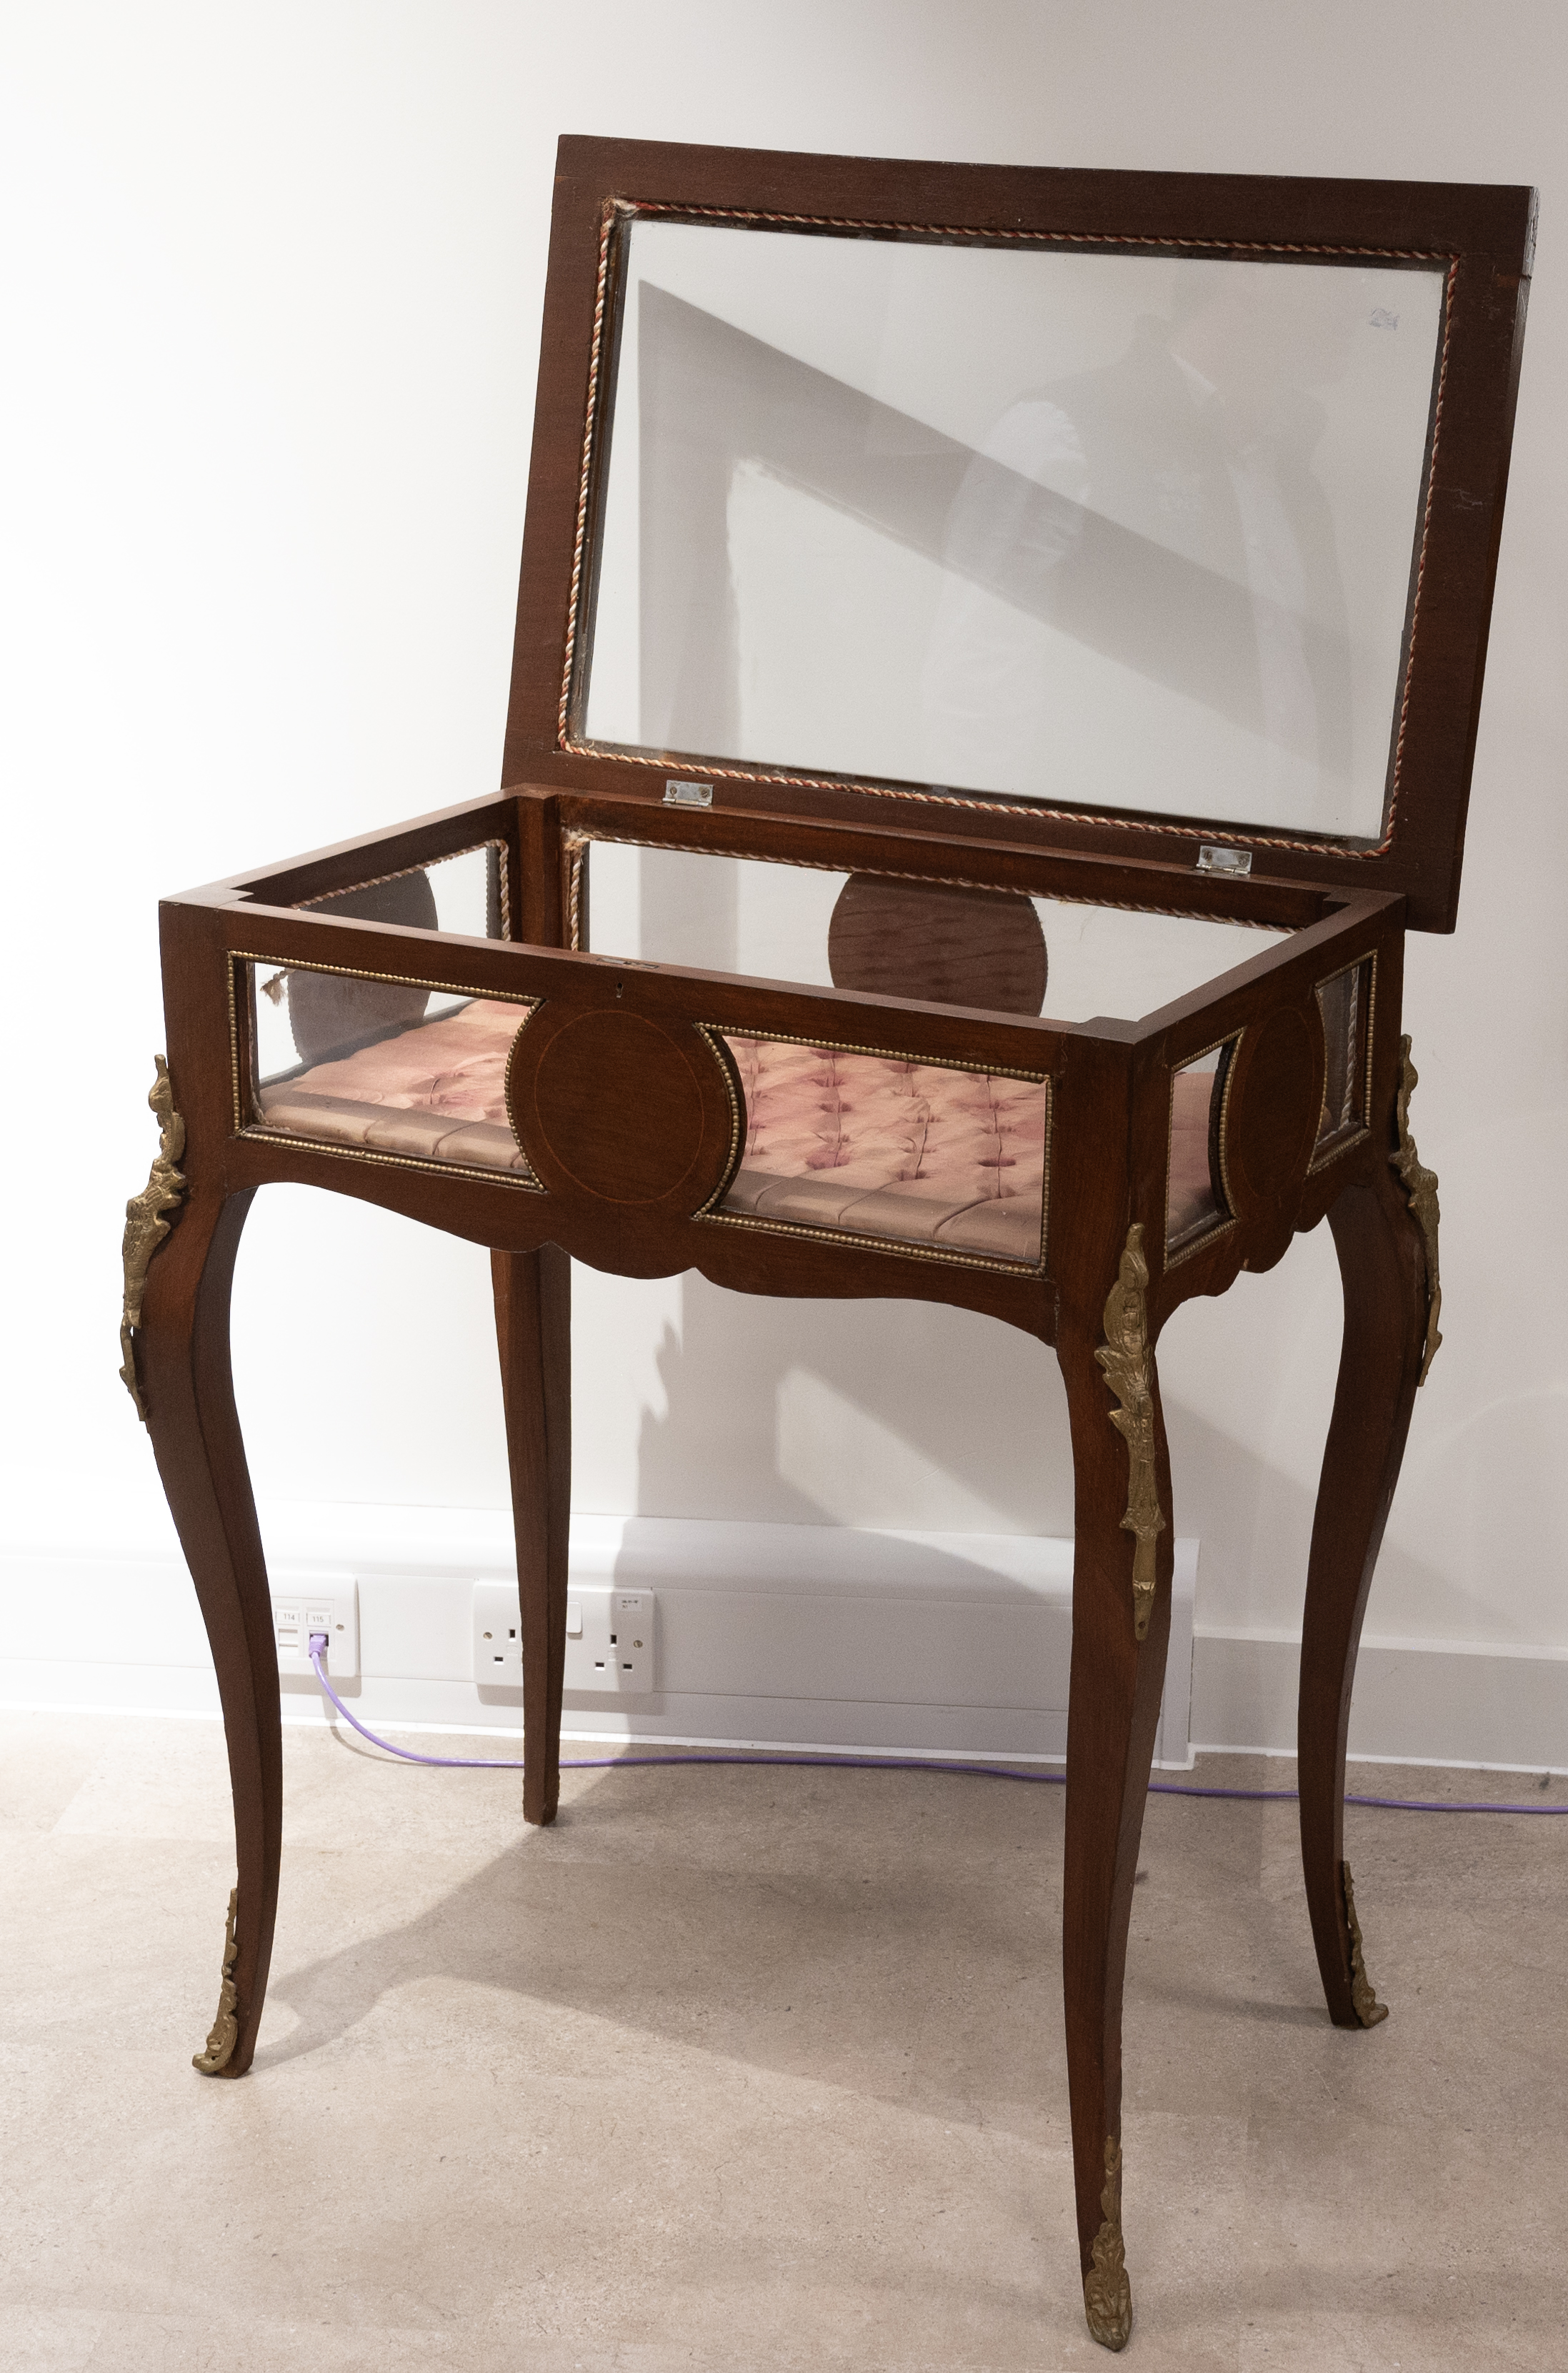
1420	1188
711	1039
146	1223
1338	1145
289	1141
225	2032
862	1241
884	1054
1108	2294
232	971
1368	2008
1129	1371
397	979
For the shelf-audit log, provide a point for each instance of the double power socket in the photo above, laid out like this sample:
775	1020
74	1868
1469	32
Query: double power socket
609	1637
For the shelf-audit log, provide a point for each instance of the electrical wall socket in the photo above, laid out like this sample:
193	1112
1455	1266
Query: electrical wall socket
303	1603
609	1637
497	1636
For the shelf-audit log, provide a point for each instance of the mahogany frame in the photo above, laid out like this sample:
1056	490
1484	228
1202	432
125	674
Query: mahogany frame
1104	1272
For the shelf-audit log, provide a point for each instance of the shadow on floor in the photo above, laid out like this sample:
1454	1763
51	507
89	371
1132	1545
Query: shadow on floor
844	1926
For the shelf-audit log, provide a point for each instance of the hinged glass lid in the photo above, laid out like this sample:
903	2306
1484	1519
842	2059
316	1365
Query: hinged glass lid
1133	530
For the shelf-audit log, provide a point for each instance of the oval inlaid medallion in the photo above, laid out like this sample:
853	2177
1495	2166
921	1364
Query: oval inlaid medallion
619	1106
1275	1103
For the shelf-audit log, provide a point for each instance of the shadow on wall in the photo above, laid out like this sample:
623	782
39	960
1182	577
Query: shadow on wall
907	1416
901	1415
1248	1386
1255	1522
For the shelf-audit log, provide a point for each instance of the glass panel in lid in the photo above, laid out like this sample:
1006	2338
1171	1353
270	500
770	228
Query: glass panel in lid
1110	530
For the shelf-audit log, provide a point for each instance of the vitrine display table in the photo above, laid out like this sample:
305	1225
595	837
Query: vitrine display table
919	559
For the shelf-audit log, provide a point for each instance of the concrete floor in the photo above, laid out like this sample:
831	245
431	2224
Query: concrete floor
754	2068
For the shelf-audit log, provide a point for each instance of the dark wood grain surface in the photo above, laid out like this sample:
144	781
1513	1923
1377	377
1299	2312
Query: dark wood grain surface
533	1330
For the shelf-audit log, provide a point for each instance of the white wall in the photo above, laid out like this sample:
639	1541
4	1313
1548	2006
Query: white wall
273	276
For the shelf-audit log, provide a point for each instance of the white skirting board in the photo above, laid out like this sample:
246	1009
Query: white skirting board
1416	1701
778	1634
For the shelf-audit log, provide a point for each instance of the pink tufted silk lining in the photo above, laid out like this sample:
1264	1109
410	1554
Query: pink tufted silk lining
1190	1202
879	1147
438	1091
866	1143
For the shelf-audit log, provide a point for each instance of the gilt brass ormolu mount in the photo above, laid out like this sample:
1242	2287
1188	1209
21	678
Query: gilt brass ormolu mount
1124	1355
1364	2002
1108	2294
224	2033
147	1224
1126	1360
1420	1185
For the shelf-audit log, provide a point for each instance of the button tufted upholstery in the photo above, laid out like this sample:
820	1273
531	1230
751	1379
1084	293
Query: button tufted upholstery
864	1143
881	1146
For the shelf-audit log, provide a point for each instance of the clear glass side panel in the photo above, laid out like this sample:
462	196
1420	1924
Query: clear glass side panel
875	1145
1341	1002
712	914
1194	1194
871	934
1115	529
388	1067
468	894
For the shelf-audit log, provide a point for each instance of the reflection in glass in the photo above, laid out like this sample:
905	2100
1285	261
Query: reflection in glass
776	922
1123	529
390	1066
1339	1001
1195	1200
468	893
709	913
877	1145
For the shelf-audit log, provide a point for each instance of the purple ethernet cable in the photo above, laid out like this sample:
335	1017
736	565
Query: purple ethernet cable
886	1764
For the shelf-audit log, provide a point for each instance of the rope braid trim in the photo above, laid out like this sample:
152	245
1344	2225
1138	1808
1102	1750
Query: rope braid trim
475	849
575	845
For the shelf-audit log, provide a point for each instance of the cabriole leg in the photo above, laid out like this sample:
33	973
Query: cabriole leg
1121	1627
1383	1266
533	1327
182	1353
